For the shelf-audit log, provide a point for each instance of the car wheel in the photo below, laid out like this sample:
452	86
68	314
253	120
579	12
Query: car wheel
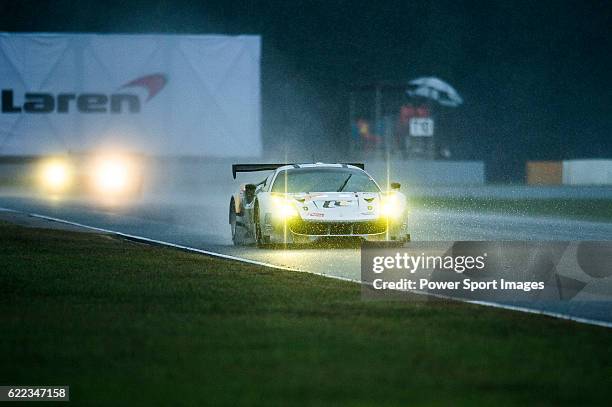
261	241
232	222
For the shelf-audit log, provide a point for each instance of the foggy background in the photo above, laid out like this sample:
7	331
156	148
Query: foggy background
534	75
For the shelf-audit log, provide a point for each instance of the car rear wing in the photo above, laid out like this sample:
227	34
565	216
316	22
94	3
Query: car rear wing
254	167
268	167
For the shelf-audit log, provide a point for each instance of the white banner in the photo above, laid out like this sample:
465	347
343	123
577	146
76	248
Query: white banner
421	127
587	172
196	95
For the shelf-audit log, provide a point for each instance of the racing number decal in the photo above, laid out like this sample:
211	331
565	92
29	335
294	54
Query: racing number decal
331	204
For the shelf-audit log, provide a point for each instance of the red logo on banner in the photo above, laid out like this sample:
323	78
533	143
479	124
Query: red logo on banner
153	83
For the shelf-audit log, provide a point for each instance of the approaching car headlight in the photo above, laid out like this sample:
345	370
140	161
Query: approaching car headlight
112	174
55	175
283	207
391	206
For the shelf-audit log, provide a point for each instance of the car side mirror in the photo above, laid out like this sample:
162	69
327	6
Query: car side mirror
249	192
395	186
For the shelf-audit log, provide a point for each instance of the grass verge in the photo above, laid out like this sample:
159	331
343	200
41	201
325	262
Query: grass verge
580	209
126	324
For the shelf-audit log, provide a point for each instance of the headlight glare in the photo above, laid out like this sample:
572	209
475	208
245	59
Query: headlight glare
112	174
284	208
391	206
56	175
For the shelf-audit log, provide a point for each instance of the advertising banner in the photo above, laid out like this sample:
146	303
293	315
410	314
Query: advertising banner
168	95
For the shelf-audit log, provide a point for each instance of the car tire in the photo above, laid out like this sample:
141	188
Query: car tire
233	223
260	240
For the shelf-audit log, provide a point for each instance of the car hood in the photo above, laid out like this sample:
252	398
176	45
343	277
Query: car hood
337	206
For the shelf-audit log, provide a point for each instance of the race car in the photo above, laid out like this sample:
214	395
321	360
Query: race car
302	203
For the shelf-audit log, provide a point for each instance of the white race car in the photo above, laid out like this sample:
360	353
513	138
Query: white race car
301	203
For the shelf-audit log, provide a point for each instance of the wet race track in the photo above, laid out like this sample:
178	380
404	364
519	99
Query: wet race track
202	222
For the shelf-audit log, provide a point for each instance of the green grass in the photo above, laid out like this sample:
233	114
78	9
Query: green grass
127	324
581	209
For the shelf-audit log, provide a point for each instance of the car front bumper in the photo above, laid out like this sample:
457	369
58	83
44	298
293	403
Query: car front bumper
304	231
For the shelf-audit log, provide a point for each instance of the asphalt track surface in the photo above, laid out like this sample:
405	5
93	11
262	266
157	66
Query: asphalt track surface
201	222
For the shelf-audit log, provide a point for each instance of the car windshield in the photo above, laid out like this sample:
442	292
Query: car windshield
323	180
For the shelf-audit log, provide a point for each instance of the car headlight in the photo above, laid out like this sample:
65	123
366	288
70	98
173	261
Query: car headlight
391	206
283	207
112	174
56	175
